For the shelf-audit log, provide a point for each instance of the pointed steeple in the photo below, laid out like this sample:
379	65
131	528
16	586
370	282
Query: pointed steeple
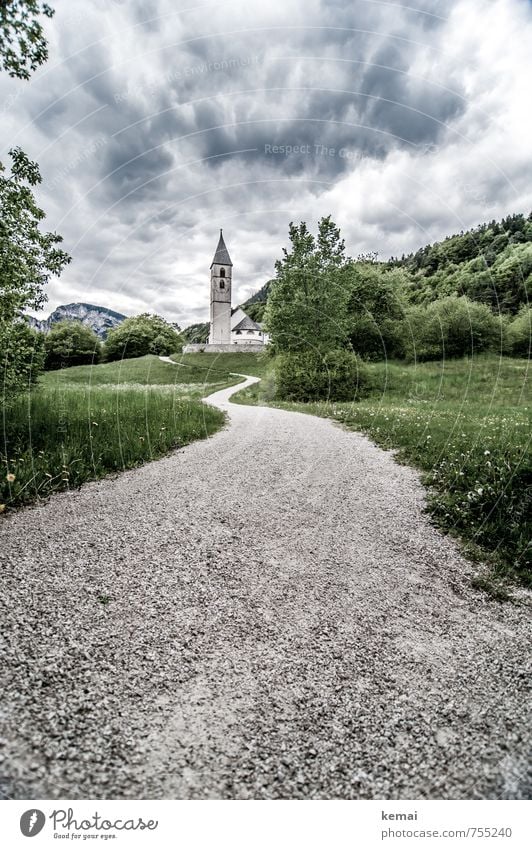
221	257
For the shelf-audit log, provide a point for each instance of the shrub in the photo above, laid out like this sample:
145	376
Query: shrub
520	333
141	335
451	327
21	358
70	343
376	310
377	339
310	376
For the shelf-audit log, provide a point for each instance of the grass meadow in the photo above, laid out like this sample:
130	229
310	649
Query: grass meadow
466	425
82	423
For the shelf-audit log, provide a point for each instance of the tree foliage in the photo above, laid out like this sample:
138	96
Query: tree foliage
307	303
28	258
70	343
23	46
376	309
21	359
141	335
519	334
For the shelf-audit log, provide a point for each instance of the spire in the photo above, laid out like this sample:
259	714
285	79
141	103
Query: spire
221	257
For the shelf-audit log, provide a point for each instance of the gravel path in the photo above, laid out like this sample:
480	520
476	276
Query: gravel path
264	614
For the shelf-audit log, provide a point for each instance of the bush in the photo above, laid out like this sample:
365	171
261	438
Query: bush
70	343
141	335
377	339
310	376
376	310
21	359
451	327
519	333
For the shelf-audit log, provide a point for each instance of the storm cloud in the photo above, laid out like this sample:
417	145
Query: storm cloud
155	126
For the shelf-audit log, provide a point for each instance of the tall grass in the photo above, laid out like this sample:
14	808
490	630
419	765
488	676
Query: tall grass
65	433
466	424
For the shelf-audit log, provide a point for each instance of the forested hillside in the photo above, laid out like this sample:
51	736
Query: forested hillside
491	264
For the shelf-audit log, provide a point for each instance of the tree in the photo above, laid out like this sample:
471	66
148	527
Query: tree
28	258
23	46
307	304
21	358
70	343
141	335
376	309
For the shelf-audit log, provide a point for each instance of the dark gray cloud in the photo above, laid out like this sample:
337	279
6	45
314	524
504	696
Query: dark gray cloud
155	126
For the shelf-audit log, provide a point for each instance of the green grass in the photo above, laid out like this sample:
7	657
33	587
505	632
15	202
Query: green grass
466	424
82	423
219	366
142	371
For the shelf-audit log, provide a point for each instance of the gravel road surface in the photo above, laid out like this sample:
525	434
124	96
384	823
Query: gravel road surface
265	614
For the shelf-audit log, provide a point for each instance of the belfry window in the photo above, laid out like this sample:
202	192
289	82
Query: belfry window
222	284
222	272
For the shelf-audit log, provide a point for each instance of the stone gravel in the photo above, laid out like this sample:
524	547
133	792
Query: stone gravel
265	614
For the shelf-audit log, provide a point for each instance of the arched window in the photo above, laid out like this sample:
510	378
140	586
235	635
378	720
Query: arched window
222	284
222	272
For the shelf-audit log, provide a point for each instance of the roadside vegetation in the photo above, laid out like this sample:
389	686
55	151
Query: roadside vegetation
81	423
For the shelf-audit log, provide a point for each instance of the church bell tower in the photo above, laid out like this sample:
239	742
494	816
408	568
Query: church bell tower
221	274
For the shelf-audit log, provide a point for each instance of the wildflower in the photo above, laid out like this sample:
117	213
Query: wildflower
2	508
480	490
486	452
10	478
95	424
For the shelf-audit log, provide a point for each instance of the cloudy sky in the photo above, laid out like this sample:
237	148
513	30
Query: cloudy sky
156	122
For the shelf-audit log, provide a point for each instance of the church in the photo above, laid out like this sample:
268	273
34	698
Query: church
230	330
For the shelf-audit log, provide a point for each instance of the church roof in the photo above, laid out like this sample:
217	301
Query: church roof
221	256
247	323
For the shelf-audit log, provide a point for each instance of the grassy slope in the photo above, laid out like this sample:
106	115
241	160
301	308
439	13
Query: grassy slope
81	423
219	366
142	371
466	424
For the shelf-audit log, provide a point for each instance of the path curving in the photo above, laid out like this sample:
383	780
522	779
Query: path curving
264	614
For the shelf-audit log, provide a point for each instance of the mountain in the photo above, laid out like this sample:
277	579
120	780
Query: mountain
99	319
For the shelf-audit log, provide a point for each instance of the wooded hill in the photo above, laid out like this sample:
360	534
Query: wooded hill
491	264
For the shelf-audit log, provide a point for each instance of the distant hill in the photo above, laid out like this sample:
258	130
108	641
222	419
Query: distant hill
255	306
99	319
197	334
